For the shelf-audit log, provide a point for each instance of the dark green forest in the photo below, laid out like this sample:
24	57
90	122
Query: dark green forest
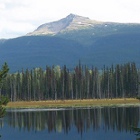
119	81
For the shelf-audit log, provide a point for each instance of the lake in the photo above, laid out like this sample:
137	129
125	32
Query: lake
99	123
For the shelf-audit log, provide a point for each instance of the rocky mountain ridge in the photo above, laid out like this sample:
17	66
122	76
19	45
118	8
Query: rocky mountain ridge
69	23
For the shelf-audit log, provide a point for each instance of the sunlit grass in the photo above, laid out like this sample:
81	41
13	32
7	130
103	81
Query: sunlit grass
73	103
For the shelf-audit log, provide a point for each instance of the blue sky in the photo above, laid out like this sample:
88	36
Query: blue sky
18	17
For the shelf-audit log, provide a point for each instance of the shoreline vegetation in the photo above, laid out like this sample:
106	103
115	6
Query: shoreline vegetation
74	103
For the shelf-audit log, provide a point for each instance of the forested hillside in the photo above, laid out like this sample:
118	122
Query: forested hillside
118	81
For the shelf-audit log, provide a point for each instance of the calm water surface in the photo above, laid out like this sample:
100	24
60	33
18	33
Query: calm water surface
106	123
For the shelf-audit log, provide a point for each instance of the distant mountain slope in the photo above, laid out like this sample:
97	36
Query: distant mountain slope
115	49
71	22
72	39
39	51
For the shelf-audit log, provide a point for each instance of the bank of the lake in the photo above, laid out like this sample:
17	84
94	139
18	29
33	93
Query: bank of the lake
73	103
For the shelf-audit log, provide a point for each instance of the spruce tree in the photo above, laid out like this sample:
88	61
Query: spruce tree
3	100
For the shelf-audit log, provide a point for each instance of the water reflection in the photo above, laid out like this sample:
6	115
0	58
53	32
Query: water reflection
107	118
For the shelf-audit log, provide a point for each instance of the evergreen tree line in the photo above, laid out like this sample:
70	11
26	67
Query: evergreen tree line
119	81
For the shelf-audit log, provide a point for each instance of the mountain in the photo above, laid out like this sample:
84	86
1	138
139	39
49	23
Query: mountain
71	39
71	22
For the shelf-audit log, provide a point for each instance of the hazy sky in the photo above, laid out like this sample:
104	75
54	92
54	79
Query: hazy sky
18	17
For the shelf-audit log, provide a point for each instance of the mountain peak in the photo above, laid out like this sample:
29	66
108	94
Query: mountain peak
71	16
70	22
74	16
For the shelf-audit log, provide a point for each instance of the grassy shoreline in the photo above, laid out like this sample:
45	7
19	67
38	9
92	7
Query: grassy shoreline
74	103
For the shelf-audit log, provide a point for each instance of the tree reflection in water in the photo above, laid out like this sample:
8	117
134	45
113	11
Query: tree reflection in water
106	118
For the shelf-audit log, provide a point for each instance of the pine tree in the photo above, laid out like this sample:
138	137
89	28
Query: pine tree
3	100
